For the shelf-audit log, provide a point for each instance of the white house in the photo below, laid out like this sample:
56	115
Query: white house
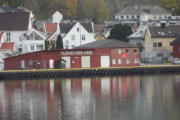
57	17
139	14
74	33
6	49
14	24
32	40
17	29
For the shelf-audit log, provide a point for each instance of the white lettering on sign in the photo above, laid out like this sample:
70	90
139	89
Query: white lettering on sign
76	52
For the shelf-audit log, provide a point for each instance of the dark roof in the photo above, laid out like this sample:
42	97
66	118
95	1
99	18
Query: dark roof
88	26
109	43
176	41
66	27
164	32
14	21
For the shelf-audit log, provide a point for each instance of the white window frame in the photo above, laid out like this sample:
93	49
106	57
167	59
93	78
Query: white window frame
136	60
22	64
128	51
119	51
127	61
32	48
83	37
73	37
119	61
113	61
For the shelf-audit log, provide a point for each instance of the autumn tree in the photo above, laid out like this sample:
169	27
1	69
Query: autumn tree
95	10
68	8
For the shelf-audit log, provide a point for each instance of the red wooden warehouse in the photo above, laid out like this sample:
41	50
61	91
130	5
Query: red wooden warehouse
101	53
176	47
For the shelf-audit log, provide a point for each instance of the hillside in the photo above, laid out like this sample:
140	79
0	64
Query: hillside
95	10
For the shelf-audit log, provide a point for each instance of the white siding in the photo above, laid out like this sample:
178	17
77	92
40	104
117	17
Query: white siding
89	37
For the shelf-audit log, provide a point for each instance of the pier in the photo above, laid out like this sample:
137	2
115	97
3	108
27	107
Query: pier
86	72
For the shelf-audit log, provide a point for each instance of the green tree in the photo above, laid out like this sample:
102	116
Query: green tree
47	45
59	42
120	32
172	5
15	3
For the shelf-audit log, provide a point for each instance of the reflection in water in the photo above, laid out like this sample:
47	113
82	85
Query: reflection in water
98	98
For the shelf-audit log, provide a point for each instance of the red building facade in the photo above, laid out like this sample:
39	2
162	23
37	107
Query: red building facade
176	47
75	58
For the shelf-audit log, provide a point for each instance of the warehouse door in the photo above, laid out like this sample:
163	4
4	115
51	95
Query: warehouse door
51	63
105	61
67	62
85	61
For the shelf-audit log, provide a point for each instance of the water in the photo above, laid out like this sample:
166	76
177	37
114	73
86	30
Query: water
102	98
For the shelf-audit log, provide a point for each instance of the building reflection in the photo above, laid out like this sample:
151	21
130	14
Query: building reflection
96	98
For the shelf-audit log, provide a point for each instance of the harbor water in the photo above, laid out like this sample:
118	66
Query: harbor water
147	97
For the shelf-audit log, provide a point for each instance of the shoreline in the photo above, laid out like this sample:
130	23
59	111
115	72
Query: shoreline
87	72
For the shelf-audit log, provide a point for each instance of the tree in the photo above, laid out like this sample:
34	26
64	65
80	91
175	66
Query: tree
173	5
95	10
59	42
68	8
47	45
120	32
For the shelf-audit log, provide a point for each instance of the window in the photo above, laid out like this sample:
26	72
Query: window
119	51
159	54
122	17
30	63
127	51
83	37
135	51
8	36
154	44
72	37
32	47
127	61
136	60
114	61
39	47
157	44
22	64
77	29
67	44
119	61
20	49
171	54
72	46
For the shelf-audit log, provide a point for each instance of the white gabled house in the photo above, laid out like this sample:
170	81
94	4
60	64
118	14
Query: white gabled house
57	17
73	33
15	25
32	40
